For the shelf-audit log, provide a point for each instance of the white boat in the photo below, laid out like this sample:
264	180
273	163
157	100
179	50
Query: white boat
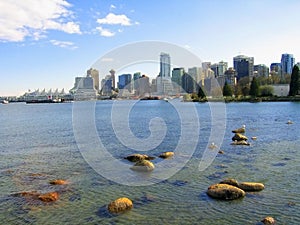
5	102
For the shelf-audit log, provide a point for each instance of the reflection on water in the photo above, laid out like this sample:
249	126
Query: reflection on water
37	145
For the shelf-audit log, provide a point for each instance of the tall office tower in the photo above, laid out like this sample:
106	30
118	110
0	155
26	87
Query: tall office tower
125	82
113	78
164	83
261	70
195	73
95	75
177	74
106	86
135	83
243	66
287	64
219	68
165	65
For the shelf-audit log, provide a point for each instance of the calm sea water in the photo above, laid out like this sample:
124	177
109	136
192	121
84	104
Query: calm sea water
38	144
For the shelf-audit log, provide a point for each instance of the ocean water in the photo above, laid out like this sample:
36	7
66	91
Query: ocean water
38	144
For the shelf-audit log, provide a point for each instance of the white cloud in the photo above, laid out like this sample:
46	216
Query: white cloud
32	18
64	44
105	32
113	19
112	7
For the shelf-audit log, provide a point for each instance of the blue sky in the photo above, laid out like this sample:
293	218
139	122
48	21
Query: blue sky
47	43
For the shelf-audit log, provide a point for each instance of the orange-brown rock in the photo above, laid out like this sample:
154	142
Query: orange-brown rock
268	220
166	155
242	142
225	192
120	205
58	182
49	197
251	186
143	166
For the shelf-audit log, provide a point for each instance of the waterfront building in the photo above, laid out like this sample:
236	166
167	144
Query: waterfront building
113	78
230	76
125	82
135	84
177	74
106	86
219	68
143	86
195	73
164	83
243	66
287	64
95	75
84	88
261	70
188	83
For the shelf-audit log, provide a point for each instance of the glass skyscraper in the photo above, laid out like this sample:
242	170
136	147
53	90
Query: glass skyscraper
287	63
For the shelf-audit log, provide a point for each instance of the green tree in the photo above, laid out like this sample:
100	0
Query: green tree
254	88
201	93
227	90
295	81
266	90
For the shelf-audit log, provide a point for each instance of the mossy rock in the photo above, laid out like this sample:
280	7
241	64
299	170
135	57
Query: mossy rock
49	197
120	205
58	182
143	166
251	186
225	192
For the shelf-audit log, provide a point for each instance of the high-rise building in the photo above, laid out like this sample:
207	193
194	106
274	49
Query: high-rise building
287	64
95	75
195	73
106	86
243	66
125	82
261	70
275	68
164	83
135	83
165	65
113	78
188	83
84	88
219	68
177	74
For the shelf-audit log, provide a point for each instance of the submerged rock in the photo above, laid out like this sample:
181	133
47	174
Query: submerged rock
58	182
239	137
166	155
120	205
143	166
48	197
138	157
225	192
268	220
251	186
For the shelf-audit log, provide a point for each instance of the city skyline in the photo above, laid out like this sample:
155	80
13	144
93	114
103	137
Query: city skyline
47	45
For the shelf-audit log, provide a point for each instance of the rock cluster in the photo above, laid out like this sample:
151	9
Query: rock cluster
239	138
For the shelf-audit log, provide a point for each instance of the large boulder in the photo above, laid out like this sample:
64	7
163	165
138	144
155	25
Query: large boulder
166	155
143	166
239	137
138	157
240	130
48	197
251	186
58	182
268	220
120	205
225	192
